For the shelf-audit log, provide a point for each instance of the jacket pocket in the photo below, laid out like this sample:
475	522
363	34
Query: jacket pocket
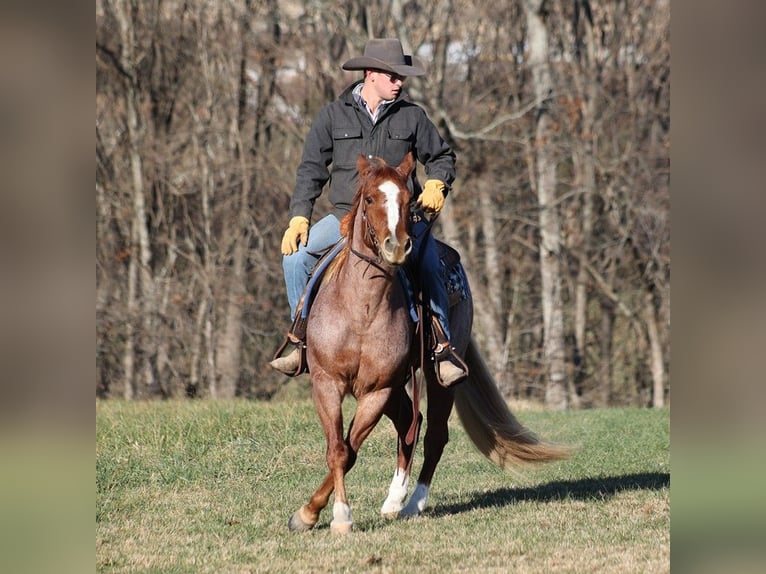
347	145
398	144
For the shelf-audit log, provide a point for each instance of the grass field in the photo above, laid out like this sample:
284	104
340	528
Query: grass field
196	486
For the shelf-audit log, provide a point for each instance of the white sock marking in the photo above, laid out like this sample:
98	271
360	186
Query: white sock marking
397	492
417	501
341	512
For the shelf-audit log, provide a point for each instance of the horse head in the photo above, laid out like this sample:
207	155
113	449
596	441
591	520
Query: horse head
383	203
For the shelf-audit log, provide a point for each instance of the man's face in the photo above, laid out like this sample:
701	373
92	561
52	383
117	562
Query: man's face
387	84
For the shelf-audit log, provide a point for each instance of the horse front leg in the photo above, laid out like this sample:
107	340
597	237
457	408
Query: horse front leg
399	410
440	402
328	402
369	410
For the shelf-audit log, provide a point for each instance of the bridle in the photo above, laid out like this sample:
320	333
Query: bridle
369	233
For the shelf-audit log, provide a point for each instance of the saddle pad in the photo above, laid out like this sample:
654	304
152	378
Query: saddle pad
455	279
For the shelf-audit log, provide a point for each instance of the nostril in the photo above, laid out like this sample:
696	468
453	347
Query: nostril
408	245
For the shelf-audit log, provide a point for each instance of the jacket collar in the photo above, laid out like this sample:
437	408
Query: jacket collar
347	96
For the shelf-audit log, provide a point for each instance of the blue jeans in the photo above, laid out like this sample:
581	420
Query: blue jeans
326	232
431	274
298	266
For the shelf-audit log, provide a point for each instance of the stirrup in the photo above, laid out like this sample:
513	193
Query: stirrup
443	352
291	339
448	356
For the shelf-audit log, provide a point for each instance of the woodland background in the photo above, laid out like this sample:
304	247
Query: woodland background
560	116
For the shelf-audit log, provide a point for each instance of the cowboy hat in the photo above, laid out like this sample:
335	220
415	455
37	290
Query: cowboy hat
386	54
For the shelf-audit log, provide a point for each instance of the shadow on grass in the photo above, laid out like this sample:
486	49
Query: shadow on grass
599	488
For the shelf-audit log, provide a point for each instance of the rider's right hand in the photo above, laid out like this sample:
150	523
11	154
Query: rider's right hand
297	230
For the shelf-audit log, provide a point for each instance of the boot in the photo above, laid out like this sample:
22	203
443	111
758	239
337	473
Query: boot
449	373
289	364
294	363
450	369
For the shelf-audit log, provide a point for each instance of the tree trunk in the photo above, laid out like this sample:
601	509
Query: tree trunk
124	13
544	179
229	348
129	352
656	362
584	163
203	369
142	246
492	265
605	370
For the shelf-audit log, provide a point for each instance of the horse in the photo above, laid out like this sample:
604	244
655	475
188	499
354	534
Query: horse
360	341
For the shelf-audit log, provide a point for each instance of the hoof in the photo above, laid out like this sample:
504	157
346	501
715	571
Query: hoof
297	522
341	527
391	511
407	514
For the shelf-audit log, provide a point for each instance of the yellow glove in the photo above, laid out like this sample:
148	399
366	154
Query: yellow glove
432	198
297	230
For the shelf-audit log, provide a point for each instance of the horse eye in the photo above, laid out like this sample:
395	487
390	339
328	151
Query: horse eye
368	200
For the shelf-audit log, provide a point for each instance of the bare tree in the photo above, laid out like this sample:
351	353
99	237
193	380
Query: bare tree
141	310
543	176
559	115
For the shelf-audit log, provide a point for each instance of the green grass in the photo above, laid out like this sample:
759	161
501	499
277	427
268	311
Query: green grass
195	486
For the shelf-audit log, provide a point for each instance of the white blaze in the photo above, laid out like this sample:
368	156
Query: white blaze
391	191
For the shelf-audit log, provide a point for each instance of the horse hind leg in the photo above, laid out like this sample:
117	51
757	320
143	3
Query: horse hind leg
399	410
440	404
397	490
306	517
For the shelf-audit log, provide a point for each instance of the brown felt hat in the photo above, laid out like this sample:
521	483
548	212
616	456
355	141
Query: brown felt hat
386	54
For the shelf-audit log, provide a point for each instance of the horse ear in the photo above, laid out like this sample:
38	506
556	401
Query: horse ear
362	165
405	168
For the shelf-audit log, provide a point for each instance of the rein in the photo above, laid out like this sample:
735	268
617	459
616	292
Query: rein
414	431
369	232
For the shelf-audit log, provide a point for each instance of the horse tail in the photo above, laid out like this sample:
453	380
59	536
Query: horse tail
490	424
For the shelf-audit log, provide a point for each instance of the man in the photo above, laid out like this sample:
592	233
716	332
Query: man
371	117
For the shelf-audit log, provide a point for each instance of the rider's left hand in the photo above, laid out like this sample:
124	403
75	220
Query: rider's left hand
432	197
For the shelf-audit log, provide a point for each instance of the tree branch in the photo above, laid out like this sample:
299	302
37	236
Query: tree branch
482	134
112	58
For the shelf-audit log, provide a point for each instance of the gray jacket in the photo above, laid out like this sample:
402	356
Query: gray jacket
342	131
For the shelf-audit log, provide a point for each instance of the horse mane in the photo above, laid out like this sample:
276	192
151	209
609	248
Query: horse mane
347	231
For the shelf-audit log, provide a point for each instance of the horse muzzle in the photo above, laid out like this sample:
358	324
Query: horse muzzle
395	252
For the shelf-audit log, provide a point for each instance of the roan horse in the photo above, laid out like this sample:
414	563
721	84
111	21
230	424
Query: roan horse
360	341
